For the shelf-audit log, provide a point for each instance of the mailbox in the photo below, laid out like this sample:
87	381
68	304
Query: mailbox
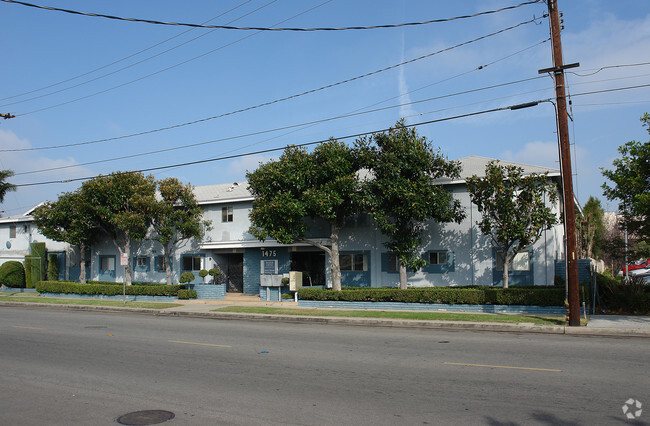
295	280
271	280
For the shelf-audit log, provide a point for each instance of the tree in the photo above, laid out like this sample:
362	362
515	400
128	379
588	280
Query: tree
124	204
515	208
177	216
401	193
591	229
70	219
320	185
4	185
631	179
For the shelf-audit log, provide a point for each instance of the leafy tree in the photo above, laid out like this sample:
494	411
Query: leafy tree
513	208
401	193
4	185
321	185
70	219
124	204
177	216
591	228
631	179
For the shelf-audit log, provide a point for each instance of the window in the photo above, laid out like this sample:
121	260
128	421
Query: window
141	262
161	265
191	263
393	262
12	231
353	262
521	262
107	263
226	214
438	257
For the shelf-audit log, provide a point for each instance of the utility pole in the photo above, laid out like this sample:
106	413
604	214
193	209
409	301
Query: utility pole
565	164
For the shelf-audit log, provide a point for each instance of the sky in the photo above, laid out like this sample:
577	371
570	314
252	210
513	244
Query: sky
94	96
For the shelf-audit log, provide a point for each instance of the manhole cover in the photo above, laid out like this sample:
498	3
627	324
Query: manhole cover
145	417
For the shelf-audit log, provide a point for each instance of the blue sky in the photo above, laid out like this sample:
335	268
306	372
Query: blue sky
141	77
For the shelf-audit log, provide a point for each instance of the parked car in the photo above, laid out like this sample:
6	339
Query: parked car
639	264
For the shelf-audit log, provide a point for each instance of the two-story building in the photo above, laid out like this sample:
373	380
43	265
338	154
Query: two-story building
456	254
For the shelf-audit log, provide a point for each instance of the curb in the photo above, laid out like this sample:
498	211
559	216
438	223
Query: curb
360	322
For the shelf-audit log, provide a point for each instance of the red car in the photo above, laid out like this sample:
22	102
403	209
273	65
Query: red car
639	264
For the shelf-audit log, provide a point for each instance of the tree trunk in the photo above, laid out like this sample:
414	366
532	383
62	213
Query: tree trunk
402	276
127	252
168	266
334	258
82	263
506	267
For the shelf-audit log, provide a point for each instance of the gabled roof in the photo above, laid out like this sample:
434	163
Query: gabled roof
222	193
475	165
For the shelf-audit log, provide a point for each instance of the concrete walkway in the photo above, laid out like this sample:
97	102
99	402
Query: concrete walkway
599	325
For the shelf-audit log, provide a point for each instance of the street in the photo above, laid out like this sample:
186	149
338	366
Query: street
64	367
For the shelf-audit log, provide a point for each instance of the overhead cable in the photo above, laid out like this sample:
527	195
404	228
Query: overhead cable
226	27
126	57
281	99
264	151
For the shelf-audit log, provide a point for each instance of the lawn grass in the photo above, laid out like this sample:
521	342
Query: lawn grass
91	302
438	316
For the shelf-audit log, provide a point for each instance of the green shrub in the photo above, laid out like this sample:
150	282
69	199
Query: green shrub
627	296
203	273
12	274
53	267
107	289
186	277
546	296
28	272
214	273
186	294
39	258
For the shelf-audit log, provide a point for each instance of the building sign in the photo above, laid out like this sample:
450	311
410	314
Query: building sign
269	267
124	259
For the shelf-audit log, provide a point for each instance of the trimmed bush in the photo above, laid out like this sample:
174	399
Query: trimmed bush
186	277
28	272
187	294
53	267
203	273
12	274
39	258
107	289
529	296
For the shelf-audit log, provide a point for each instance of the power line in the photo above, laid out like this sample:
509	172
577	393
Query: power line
173	66
293	126
608	67
611	90
175	126
226	27
264	151
127	57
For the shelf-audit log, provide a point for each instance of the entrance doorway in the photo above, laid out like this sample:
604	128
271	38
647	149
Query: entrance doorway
234	272
312	264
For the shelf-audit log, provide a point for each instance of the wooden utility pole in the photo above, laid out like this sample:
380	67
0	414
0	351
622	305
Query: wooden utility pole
565	165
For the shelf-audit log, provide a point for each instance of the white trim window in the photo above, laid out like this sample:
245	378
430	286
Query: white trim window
438	257
227	214
353	262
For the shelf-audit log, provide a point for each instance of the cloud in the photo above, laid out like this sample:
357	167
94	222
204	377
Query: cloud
21	162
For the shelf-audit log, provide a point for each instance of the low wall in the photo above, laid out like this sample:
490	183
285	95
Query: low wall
129	297
5	289
209	291
434	307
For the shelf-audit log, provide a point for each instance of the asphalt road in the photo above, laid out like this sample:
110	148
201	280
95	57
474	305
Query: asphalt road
89	368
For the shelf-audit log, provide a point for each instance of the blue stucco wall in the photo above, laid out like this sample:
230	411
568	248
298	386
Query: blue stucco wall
209	291
252	259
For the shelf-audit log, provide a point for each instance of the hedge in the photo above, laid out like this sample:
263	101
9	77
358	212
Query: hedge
107	289
187	294
631	296
528	296
12	274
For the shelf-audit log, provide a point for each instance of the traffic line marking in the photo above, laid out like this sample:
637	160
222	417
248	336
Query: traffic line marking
504	366
200	344
28	328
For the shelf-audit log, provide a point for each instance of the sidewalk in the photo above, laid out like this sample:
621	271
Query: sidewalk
599	325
